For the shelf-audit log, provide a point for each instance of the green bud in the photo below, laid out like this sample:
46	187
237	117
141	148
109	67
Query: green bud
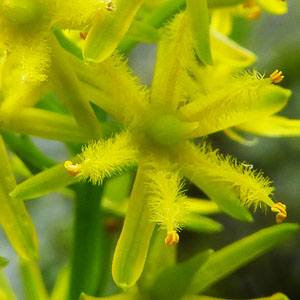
168	130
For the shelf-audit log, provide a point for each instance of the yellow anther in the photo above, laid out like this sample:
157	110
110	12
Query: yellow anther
72	169
280	209
110	5
172	238
276	76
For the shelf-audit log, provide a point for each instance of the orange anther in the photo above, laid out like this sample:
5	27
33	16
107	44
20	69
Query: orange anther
280	209
72	169
172	238
276	76
250	3
83	35
254	13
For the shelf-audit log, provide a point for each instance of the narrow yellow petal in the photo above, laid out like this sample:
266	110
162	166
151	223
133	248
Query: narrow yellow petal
167	203
229	52
175	53
277	7
109	29
221	21
273	126
244	99
105	158
133	244
75	14
232	134
216	175
43	123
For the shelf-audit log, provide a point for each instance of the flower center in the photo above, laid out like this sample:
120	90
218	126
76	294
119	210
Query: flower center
168	130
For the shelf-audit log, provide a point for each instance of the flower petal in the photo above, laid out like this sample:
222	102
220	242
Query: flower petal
240	101
133	244
108	30
229	184
273	126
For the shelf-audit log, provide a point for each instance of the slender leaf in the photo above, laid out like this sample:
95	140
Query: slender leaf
131	294
6	289
33	281
61	287
160	256
177	278
14	217
225	261
27	151
198	223
202	206
43	183
277	296
143	32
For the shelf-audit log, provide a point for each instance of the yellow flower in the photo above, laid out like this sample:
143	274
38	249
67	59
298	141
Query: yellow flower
186	100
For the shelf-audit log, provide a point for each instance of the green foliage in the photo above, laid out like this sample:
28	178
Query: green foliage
63	79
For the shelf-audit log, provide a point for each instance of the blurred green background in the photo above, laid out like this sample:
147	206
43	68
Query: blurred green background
276	41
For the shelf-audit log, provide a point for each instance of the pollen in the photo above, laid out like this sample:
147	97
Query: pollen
72	169
276	76
280	209
172	238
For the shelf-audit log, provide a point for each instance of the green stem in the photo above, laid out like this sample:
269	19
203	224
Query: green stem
89	260
66	85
